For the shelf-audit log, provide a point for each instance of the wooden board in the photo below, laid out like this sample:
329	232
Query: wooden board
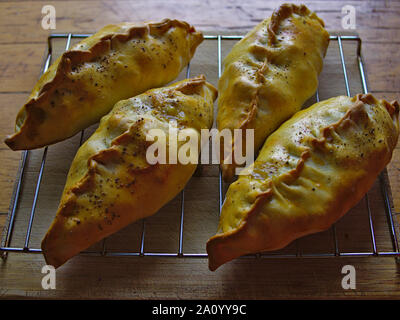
87	276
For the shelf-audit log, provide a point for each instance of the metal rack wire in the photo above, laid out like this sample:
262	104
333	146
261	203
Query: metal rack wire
8	232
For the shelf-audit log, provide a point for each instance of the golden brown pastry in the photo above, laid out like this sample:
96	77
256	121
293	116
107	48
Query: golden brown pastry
110	183
308	174
269	74
118	62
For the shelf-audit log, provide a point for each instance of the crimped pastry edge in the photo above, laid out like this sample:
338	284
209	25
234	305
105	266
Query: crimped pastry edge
212	244
278	16
285	11
86	182
70	58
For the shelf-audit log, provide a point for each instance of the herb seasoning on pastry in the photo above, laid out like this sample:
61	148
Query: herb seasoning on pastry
309	173
110	183
269	74
118	62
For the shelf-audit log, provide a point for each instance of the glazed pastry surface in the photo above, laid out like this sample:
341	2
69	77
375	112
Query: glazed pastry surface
118	62
269	74
309	173
110	183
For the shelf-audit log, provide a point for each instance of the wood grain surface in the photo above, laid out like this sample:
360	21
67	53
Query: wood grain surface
22	47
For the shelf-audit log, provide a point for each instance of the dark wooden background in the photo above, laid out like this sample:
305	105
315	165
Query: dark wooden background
23	44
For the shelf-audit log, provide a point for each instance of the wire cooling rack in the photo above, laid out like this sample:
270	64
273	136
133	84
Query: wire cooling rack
6	245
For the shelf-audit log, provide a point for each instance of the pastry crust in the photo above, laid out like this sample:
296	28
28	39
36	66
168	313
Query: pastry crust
269	74
118	62
309	173
110	183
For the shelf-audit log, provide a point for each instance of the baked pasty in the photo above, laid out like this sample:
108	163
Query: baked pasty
309	173
118	62
268	76
110	183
